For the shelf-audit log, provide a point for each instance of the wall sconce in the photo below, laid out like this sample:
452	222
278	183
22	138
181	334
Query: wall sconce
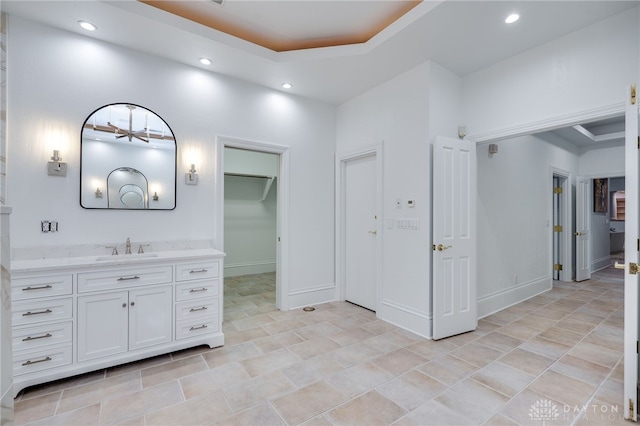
98	193
191	178
155	196
56	167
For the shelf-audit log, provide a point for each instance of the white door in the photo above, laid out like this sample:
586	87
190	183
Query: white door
360	230
632	231
454	237
583	229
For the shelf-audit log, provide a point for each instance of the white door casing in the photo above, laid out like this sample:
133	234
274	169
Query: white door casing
454	237
565	219
631	256
583	228
359	194
282	206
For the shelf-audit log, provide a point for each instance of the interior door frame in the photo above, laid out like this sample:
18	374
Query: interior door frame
341	162
282	205
631	255
566	221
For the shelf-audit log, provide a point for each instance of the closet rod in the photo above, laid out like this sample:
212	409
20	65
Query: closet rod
248	176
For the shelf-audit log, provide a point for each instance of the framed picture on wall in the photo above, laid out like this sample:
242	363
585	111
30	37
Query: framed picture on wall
600	195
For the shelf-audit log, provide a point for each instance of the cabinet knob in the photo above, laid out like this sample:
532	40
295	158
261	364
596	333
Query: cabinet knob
124	305
133	303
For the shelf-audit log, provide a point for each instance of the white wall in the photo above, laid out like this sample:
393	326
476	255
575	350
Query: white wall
404	113
584	71
396	113
514	219
64	77
602	162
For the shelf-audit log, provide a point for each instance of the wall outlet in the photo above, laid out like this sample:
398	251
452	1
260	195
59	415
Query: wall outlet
49	226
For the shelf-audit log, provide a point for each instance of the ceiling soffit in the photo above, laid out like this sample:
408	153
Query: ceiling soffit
283	25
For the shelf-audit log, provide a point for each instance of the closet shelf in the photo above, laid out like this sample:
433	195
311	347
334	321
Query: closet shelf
267	183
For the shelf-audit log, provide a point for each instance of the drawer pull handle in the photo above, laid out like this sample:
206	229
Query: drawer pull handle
37	361
135	277
42	287
196	290
46	311
29	338
198	271
204	308
198	327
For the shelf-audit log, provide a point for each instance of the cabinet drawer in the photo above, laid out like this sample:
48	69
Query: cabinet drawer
41	310
41	335
194	309
196	290
197	271
123	277
41	286
186	329
42	359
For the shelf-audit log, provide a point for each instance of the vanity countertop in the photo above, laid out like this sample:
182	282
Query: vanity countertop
27	265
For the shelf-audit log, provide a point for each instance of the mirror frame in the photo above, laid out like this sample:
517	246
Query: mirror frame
150	192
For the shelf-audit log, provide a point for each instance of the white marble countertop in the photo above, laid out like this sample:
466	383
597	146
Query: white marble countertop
26	265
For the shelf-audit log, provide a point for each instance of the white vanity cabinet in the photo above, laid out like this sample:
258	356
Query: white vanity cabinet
83	316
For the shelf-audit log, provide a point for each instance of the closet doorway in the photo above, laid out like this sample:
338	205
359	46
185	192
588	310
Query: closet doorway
251	189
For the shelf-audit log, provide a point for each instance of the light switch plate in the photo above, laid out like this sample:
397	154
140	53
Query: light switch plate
45	226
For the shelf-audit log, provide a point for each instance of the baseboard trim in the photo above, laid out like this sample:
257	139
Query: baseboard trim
312	296
500	300
601	263
405	317
249	268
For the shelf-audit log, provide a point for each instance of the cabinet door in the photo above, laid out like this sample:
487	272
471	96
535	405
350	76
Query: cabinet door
150	316
102	325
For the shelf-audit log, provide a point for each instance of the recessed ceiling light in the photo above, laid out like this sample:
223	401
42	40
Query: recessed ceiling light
287	85
87	25
205	61
512	18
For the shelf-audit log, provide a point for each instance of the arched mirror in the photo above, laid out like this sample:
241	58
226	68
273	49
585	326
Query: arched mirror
127	160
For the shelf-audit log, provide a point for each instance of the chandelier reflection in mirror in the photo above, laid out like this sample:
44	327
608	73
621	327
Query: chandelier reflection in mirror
129	152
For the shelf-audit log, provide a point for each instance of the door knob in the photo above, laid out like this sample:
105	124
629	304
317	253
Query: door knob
442	247
374	232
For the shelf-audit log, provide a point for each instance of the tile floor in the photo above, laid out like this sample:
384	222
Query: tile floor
555	359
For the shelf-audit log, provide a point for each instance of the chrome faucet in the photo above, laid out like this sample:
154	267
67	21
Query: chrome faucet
128	247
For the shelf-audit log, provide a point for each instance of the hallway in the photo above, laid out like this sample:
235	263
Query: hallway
557	356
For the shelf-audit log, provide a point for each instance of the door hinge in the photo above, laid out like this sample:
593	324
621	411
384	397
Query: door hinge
557	228
557	190
632	414
638	240
557	267
637	347
633	94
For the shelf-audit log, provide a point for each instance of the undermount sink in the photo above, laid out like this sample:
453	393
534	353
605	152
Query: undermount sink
126	256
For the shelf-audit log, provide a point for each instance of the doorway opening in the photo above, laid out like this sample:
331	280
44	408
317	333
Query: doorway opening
253	231
562	226
250	229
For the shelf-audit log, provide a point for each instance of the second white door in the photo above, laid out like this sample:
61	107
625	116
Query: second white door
361	231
